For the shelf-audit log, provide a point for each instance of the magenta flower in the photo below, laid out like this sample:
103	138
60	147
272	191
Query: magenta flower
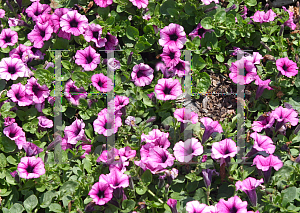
39	34
36	9
196	207
263	122
13	131
167	89
262	143
157	138
103	3
31	167
147	17
127	152
74	23
93	33
172	204
181	68
261	16
199	32
8	121
31	149
142	74
58	13
108	157
2	13
101	193
262	85
8	38
168	73
75	131
102	83
100	123
115	179
287	67
210	127
13	22
170	56
111	41
284	115
18	94
290	22
266	164
224	150
242	64
120	103
185	151
249	187
37	92
207	176
73	93
140	3
87	58
173	36
207	2
19	51
45	122
12	68
234	204
112	63
181	116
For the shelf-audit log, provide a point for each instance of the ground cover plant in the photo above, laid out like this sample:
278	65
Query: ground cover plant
96	114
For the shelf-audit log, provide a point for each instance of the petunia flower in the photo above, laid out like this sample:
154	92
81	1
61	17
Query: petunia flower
234	204
31	149
262	85
244	65
112	63
157	138
210	127
75	131
168	73
140	3
249	187
287	67
170	56
196	207
199	32
12	68
283	116
36	9
37	92
55	18
108	157
103	3
115	179
207	176
74	23
39	34
31	167
2	13
8	38
266	164
207	2
19	51
18	94
101	193
185	151
263	122
111	42
45	122
172	204
147	17
118	104
8	121
261	16
224	150
182	116
102	83
168	89
73	93
93	33
142	74
290	22
13	131
173	36
127	152
181	69
87	58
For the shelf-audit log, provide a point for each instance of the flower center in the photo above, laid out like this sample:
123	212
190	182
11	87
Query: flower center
172	54
73	23
173	37
180	66
7	39
233	210
284	67
77	131
11	69
42	33
100	83
35	89
140	73
18	96
36	13
167	91
12	134
201	31
30	169
95	34
89	59
226	152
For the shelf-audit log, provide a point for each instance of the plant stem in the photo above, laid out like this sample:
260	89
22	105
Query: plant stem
150	192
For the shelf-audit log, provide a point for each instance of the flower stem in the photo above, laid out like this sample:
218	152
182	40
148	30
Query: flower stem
150	192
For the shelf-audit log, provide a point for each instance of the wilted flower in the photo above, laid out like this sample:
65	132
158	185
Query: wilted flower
31	149
130	121
207	176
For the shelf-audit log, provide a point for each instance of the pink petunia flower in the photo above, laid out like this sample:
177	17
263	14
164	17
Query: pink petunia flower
142	74
87	58
101	193
39	34
8	121
58	13
127	152
157	138
74	23
75	131
242	64
249	187
8	38
210	127
31	149
37	93
283	116
181	69
45	122
168	89
93	33
2	13
266	164
111	42
18	94
261	143
36	9
182	116
168	73
73	93
196	207
224	150
103	3
173	36
172	204
262	85
108	157
140	3
234	204
263	122
207	2
12	68
199	32
290	22
170	56
115	179
31	167
185	151
102	83
261	16
287	67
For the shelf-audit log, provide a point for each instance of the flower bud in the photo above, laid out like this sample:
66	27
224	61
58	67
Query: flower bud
172	204
210	9
161	182
233	7
131	184
129	60
281	30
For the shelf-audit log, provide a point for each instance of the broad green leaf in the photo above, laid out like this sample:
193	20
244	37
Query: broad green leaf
132	33
203	82
30	203
207	22
55	207
141	189
147	177
198	62
220	16
69	186
7	106
16	208
8	145
189	9
46	198
166	5
128	205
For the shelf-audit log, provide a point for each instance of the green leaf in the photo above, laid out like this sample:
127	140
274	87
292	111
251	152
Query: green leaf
2	160
12	160
16	208
55	207
289	195
128	205
132	33
251	3
7	106
80	77
198	62
46	198
166	5
206	23
147	177
220	16
69	186
173	11
103	12
203	82
8	145
148	29
61	44
190	9
220	58
274	103
30	203
89	130
200	195
141	189
2	84
87	165
168	121
66	64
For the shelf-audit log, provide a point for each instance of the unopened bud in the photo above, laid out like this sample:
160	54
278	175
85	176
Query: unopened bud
281	30
296	58
210	9
167	187
131	184
161	182
233	7
266	7
129	60
206	50
152	119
